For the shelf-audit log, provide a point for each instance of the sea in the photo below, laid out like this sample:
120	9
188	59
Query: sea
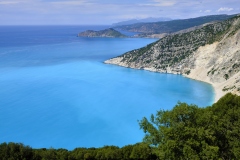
55	90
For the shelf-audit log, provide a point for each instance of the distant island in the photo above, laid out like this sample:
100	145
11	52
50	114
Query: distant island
153	29
110	32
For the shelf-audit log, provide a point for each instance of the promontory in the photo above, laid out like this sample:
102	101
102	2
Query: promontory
110	32
210	54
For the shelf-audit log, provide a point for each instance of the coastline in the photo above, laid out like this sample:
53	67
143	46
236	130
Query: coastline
205	66
218	93
216	63
220	87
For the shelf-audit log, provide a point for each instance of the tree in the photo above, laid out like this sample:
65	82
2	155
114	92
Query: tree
227	126
12	151
189	132
142	151
126	152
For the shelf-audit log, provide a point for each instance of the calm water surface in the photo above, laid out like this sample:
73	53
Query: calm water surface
56	92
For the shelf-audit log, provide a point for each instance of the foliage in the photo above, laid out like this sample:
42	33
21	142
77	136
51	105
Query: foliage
110	32
188	72
177	49
190	132
226	76
17	151
12	151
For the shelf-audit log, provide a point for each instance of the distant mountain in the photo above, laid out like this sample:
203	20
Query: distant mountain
171	26
145	20
110	32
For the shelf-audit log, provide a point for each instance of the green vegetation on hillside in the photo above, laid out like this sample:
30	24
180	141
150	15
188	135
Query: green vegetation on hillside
185	132
172	26
173	50
110	32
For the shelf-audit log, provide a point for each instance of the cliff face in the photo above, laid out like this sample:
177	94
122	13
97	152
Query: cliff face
210	54
103	33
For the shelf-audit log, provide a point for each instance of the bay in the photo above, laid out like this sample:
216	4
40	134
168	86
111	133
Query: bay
57	92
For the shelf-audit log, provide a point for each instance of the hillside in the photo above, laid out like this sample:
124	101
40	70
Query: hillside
102	33
172	26
210	54
145	20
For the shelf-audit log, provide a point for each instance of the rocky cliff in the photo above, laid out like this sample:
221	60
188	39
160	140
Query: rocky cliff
210	54
103	33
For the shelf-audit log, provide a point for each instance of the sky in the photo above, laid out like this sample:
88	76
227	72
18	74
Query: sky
106	12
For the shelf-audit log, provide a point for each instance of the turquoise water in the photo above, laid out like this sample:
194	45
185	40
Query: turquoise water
57	92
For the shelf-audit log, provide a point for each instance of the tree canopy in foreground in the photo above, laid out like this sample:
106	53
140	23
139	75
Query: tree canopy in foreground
190	132
185	132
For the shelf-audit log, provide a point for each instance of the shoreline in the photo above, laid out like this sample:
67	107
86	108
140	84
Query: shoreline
218	93
216	63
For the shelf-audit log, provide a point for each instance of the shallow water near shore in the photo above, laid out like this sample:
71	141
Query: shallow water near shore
57	92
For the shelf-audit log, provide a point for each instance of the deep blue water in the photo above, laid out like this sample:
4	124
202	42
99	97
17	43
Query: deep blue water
55	90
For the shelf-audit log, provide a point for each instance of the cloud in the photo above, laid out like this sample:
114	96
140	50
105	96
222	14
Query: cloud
159	3
105	11
7	3
224	9
164	3
72	2
10	2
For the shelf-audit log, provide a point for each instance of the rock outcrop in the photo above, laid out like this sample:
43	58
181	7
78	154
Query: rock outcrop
210	54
